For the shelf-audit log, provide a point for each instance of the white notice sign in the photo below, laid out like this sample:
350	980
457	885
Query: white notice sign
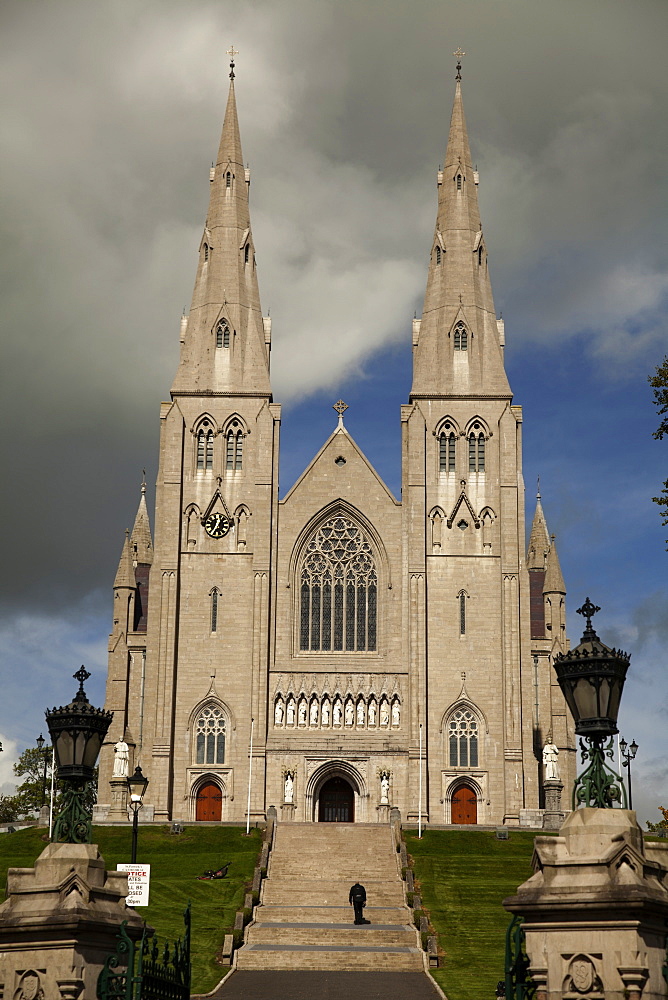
139	878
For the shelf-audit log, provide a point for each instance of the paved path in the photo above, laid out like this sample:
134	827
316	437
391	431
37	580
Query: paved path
292	985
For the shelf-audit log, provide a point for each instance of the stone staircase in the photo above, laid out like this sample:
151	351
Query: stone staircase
304	920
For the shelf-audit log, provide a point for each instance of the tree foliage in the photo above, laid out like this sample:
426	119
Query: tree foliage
34	766
659	383
662	825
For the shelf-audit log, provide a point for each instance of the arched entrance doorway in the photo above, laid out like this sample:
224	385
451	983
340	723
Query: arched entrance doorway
209	805
464	808
336	802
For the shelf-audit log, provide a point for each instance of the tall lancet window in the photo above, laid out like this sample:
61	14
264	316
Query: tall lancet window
446	450
204	448
234	445
222	335
461	598
463	738
210	736
338	590
476	450
461	337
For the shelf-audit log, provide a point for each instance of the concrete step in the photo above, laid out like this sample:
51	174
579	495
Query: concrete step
326	894
343	958
330	914
328	935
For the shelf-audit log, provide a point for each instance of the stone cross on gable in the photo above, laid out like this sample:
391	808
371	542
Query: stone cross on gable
340	408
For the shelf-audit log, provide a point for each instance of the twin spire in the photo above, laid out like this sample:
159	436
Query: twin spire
224	346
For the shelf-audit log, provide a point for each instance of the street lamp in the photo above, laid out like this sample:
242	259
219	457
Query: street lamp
40	741
591	678
77	731
629	754
137	785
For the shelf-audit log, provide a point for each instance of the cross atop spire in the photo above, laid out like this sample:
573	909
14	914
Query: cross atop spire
232	52
340	408
458	55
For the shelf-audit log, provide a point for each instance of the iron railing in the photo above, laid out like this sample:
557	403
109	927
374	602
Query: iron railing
137	970
518	982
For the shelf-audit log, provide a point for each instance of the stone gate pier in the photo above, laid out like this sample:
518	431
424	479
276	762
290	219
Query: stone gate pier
596	910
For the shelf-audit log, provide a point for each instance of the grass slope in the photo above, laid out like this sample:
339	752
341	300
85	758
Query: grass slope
463	877
175	861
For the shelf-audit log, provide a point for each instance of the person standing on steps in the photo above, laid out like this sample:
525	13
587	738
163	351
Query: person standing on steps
357	899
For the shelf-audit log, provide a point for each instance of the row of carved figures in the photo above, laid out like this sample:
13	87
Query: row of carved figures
317	713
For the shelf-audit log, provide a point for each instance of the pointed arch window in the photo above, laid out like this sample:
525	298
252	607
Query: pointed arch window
462	598
234	444
446	450
338	590
438	255
461	337
205	447
228	180
463	738
222	335
476	449
215	595
210	730
206	252
459	182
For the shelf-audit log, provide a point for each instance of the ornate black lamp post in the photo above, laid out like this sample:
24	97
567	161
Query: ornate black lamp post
137	785
628	754
591	677
77	731
40	741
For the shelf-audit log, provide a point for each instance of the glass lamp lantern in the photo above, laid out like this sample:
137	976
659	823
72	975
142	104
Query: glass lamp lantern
591	678
77	732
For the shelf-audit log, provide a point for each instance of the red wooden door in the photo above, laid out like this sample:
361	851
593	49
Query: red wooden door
464	806
336	802
209	803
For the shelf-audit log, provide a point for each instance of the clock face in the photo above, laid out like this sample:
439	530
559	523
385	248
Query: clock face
217	525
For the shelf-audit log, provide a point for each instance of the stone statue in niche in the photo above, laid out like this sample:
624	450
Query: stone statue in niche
350	712
396	712
361	712
289	790
313	714
372	712
290	714
324	714
302	712
384	712
337	712
121	760
551	760
384	788
278	712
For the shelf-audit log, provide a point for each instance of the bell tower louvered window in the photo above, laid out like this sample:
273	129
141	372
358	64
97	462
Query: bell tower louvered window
338	590
461	337
204	448
234	448
476	450
446	449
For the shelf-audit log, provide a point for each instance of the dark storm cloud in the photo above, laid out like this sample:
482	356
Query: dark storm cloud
111	117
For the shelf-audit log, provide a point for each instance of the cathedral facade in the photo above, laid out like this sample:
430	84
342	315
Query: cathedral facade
338	651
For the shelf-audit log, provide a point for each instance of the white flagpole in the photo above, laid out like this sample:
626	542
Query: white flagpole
420	788
250	773
53	769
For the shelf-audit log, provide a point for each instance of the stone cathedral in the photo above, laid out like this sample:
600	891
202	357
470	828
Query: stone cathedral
337	651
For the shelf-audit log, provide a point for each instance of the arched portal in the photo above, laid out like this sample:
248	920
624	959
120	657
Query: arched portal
464	806
336	801
209	803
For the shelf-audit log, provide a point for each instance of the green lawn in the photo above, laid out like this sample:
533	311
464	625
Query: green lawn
464	876
175	862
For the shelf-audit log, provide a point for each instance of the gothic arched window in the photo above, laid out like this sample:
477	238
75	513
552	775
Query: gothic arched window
463	738
234	445
338	590
461	337
215	595
446	450
210	736
222	335
461	598
459	182
476	451
205	448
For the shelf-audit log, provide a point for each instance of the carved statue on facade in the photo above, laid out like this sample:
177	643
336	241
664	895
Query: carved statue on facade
290	714
313	713
121	760
551	760
278	712
289	787
324	714
384	712
384	788
396	712
350	712
337	712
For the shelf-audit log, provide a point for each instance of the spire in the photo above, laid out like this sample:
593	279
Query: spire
225	347
554	581
141	544
449	358
125	574
539	539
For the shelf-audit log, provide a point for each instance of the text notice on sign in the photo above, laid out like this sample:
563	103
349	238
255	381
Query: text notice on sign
139	879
